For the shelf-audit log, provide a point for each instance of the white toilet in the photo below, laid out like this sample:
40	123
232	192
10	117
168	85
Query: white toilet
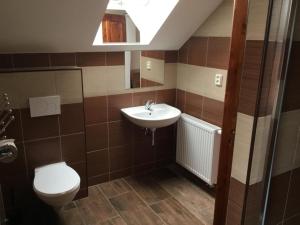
56	184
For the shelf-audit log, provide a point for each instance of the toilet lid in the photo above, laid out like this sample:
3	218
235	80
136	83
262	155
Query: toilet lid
55	179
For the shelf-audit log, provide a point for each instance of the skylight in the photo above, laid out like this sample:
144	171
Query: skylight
147	15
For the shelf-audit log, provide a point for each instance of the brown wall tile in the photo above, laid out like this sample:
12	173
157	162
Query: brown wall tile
120	158
180	99
97	163
144	153
218	52
6	61
98	179
120	133
167	96
120	173
115	58
91	59
237	192
39	127
14	129
62	59
295	220
14	173
95	109
194	105
250	77
234	214
197	54
72	118
171	56
140	98
73	148
42	152
116	103
277	198
80	168
293	201
154	54
292	91
31	60
96	137
184	52
213	111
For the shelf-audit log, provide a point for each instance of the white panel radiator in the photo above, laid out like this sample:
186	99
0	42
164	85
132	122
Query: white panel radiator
198	146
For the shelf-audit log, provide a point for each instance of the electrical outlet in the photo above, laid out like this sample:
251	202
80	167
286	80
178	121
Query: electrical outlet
148	65
219	80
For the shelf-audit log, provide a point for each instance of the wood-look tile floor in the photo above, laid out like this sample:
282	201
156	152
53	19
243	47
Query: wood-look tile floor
157	198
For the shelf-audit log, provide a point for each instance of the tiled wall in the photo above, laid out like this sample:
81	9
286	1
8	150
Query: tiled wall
43	140
284	171
114	144
203	56
90	134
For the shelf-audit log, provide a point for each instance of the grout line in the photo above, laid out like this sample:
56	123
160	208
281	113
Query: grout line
23	143
79	212
60	141
148	206
40	139
71	134
98	150
107	199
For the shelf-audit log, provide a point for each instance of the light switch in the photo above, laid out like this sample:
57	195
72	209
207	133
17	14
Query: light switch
148	65
44	106
219	80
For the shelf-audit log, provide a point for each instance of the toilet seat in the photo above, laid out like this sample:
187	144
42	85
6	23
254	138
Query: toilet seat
55	180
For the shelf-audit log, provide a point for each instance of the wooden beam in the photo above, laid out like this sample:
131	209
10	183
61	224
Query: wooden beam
238	42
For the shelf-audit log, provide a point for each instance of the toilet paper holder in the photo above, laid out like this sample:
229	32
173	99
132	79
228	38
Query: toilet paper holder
8	149
6	116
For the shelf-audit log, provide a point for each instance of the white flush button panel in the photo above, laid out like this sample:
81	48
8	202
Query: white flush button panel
44	106
219	80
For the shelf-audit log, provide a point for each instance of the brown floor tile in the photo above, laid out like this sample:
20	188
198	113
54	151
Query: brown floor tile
114	221
148	189
70	216
191	196
172	212
114	188
133	210
95	208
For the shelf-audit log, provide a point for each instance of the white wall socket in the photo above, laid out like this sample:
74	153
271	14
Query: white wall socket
148	65
219	80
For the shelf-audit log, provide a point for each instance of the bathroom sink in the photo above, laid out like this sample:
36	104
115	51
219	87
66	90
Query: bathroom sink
160	115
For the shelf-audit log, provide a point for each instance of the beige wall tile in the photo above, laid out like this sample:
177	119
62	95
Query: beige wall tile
7	81
258	10
69	86
157	69
34	84
242	147
200	80
219	23
260	149
288	143
94	81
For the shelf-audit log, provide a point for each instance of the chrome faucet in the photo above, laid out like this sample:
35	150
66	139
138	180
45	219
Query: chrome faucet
149	104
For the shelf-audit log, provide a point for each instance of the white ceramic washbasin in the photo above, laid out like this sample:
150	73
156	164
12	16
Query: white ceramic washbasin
161	115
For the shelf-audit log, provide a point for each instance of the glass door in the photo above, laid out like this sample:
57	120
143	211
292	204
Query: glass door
274	199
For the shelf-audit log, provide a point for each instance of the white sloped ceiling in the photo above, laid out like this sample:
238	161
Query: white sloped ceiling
71	25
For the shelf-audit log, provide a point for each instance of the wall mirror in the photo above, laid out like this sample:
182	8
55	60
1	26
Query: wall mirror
144	69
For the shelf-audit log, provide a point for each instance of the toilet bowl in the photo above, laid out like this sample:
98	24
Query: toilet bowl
56	184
